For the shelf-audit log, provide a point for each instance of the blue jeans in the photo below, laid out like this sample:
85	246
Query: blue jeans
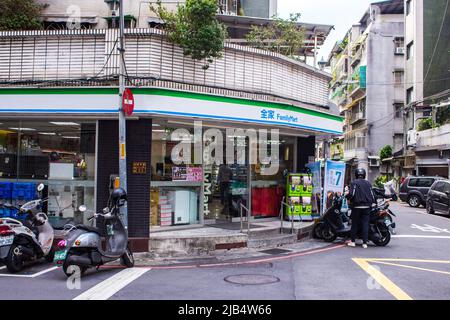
360	219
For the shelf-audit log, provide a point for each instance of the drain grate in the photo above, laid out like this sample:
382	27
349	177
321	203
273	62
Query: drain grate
275	251
252	279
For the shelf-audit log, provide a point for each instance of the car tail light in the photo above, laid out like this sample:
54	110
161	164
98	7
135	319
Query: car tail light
6	230
62	243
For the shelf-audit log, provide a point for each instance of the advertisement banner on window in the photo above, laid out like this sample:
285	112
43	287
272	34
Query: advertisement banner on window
333	180
314	167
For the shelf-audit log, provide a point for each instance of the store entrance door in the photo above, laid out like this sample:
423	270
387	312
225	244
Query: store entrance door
228	186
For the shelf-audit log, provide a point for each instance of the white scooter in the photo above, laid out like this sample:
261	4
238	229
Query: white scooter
27	241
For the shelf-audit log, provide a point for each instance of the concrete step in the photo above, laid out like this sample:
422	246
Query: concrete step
271	241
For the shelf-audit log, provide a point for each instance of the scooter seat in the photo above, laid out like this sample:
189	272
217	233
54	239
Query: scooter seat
88	228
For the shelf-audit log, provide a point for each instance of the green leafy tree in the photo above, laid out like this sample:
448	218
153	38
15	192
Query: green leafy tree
425	124
20	15
195	28
386	152
283	36
380	181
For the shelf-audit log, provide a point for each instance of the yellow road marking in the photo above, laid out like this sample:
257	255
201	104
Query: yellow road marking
411	267
408	260
387	284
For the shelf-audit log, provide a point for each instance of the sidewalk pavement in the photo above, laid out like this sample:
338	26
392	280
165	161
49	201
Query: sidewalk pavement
231	255
204	240
207	255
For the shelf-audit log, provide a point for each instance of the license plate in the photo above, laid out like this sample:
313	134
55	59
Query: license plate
6	241
60	255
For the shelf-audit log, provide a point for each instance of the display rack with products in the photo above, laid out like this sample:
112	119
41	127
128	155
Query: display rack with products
172	204
299	194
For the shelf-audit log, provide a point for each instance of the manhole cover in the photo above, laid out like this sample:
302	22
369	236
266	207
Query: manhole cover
252	279
275	251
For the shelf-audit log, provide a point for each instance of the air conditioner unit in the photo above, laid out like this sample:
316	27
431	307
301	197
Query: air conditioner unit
411	138
400	50
374	162
359	115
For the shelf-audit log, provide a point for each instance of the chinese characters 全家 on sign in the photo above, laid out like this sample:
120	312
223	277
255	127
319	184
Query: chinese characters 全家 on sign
268	114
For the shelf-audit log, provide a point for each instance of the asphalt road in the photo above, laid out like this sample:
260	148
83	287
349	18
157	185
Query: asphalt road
415	265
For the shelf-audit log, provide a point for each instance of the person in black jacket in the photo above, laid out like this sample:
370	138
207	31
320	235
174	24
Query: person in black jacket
361	198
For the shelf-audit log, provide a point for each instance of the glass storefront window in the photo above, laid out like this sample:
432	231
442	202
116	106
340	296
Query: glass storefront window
174	205
175	188
219	190
268	190
60	154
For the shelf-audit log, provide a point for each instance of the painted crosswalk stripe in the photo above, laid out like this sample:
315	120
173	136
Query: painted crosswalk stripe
106	289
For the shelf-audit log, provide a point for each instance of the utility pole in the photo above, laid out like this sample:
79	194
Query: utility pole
122	120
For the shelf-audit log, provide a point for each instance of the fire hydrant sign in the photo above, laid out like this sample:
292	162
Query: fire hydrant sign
128	102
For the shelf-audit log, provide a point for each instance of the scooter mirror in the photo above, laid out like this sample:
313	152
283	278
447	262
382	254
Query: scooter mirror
82	208
40	187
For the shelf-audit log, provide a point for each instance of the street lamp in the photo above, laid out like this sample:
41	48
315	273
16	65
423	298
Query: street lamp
322	64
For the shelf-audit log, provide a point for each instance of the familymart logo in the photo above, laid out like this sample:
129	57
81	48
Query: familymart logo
230	146
269	114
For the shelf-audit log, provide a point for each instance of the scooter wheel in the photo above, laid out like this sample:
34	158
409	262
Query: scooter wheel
328	235
317	231
384	239
127	258
14	262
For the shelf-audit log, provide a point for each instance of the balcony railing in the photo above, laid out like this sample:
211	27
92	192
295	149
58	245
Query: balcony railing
357	116
90	57
432	139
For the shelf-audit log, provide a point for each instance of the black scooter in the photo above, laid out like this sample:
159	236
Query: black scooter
333	224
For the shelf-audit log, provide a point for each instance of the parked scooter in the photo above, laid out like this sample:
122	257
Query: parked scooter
27	241
82	247
332	224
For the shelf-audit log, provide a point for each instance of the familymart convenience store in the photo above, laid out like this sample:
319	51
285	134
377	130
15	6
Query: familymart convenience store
67	138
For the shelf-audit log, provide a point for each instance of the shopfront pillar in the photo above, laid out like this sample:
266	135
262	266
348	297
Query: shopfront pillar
139	138
306	147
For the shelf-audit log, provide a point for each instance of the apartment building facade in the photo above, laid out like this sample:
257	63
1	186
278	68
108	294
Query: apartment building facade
367	85
427	85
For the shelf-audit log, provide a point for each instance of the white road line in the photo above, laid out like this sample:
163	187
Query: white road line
106	289
433	215
419	236
44	271
34	275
